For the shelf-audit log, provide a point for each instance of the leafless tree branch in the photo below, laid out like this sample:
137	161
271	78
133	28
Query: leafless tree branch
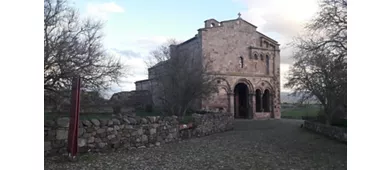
73	46
320	60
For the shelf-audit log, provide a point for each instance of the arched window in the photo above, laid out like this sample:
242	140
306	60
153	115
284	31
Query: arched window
258	100
241	62
267	63
256	56
212	25
266	101
261	57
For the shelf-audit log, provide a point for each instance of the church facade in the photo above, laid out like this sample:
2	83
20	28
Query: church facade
245	62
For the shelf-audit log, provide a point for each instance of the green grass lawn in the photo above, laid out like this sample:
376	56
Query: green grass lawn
83	116
145	113
89	116
301	111
102	115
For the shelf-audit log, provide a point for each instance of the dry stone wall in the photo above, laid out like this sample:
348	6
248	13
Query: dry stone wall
127	131
333	132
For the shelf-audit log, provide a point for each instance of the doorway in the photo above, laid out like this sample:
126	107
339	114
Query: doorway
241	103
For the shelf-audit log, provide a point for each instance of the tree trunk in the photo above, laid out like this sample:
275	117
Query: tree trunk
328	115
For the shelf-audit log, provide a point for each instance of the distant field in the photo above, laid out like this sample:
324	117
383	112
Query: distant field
310	110
83	116
98	115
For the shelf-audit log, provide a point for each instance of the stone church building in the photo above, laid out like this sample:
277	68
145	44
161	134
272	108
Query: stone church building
245	62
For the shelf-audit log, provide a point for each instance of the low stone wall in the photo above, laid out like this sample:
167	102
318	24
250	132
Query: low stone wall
262	115
334	132
128	131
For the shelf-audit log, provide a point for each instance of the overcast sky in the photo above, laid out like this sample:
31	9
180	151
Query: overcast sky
133	28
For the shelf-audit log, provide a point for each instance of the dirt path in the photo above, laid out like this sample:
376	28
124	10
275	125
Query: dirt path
253	144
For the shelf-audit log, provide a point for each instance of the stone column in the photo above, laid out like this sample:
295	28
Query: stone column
261	101
253	105
250	102
231	103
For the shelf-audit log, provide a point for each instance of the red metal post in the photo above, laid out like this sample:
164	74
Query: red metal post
74	117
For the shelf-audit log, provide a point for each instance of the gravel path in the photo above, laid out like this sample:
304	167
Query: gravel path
253	144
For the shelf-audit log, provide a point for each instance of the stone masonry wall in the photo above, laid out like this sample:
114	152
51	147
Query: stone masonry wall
334	132
125	131
224	44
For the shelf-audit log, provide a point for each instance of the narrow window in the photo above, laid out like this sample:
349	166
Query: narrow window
261	57
267	63
258	100
241	62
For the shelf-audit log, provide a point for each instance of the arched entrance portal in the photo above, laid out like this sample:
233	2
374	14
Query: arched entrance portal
267	102
241	101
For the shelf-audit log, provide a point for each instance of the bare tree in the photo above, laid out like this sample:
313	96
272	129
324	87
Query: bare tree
73	46
180	80
320	59
160	54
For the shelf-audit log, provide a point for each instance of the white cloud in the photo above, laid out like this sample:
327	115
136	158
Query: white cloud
281	20
285	18
103	10
283	73
137	70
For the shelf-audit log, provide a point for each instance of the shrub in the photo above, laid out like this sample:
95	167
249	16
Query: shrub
186	120
149	108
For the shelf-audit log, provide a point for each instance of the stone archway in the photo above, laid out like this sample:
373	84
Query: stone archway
267	102
241	101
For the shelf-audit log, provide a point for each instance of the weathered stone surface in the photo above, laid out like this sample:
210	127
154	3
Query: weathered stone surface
51	134
111	136
101	130
228	45
152	131
155	125
81	142
103	122
95	122
126	120
49	123
132	121
47	146
87	123
116	121
144	138
152	119
144	121
81	131
102	145
110	123
140	131
134	133
90	129
110	129
334	132
91	139
61	134
63	122
163	130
